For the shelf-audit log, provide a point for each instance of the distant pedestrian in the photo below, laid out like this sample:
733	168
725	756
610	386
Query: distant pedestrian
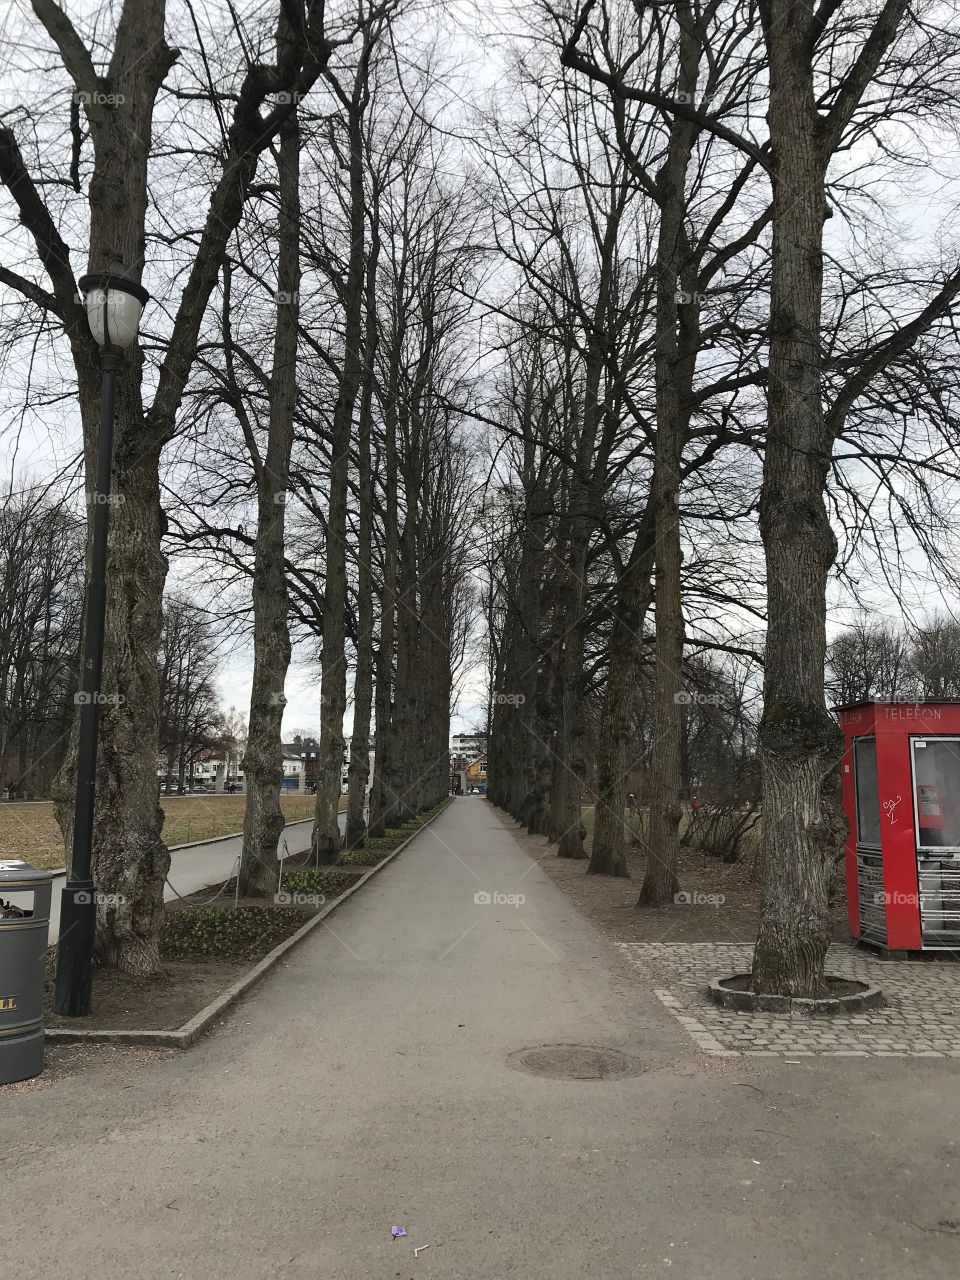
696	808
632	802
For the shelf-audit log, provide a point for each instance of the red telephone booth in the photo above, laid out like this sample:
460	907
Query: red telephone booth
901	792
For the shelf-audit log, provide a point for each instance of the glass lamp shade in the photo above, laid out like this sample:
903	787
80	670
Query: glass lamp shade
114	307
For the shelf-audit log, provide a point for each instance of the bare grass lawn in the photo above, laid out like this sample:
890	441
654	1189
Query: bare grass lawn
29	830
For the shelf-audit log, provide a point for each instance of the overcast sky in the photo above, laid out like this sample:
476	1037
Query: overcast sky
39	443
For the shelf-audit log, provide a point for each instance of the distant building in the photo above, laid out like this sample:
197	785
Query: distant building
217	771
300	763
210	772
470	746
345	777
477	773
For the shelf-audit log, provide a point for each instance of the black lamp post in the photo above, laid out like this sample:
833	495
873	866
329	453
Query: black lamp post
114	305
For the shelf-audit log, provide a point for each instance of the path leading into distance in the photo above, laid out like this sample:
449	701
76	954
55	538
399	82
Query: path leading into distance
367	1083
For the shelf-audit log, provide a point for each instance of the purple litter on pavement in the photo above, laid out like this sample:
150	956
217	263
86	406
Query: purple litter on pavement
397	1232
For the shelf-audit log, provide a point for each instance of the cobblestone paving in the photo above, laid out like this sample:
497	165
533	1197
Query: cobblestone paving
921	1017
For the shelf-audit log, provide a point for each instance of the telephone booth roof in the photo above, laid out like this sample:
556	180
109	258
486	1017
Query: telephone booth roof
899	702
880	715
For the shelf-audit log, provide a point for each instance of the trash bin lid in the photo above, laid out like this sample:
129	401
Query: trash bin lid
15	871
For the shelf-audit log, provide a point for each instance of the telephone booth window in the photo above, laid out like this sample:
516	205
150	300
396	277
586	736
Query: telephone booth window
936	779
868	792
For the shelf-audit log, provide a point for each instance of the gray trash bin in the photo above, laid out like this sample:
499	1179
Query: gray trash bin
24	922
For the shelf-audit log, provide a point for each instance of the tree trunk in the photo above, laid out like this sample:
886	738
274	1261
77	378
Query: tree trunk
567	817
383	757
407	692
262	762
513	748
359	771
800	745
677	342
130	861
570	767
660	881
608	854
327	841
588	475
384	766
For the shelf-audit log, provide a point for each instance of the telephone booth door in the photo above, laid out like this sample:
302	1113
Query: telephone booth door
872	902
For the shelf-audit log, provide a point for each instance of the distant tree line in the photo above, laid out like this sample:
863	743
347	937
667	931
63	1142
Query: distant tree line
890	661
41	589
41	602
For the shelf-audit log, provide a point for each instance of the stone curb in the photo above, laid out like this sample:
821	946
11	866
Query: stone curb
187	1035
749	1002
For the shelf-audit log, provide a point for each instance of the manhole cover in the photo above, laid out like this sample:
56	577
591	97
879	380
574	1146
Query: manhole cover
576	1062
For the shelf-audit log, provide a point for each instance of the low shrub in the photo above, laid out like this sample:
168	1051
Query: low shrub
391	837
371	853
226	933
724	831
323	880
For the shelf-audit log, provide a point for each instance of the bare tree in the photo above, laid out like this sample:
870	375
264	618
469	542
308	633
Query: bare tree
868	660
353	100
262	762
118	105
41	563
803	824
191	721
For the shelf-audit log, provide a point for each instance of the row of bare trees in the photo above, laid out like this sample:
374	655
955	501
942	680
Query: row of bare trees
721	370
291	425
657	282
354	448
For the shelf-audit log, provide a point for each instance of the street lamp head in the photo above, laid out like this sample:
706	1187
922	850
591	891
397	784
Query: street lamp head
114	305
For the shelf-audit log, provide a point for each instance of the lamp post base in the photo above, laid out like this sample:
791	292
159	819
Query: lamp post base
78	925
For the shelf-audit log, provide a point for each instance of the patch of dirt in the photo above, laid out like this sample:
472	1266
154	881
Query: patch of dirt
722	899
124	1003
62	1061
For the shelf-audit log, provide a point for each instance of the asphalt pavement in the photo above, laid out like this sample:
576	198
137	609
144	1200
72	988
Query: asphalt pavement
371	1083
